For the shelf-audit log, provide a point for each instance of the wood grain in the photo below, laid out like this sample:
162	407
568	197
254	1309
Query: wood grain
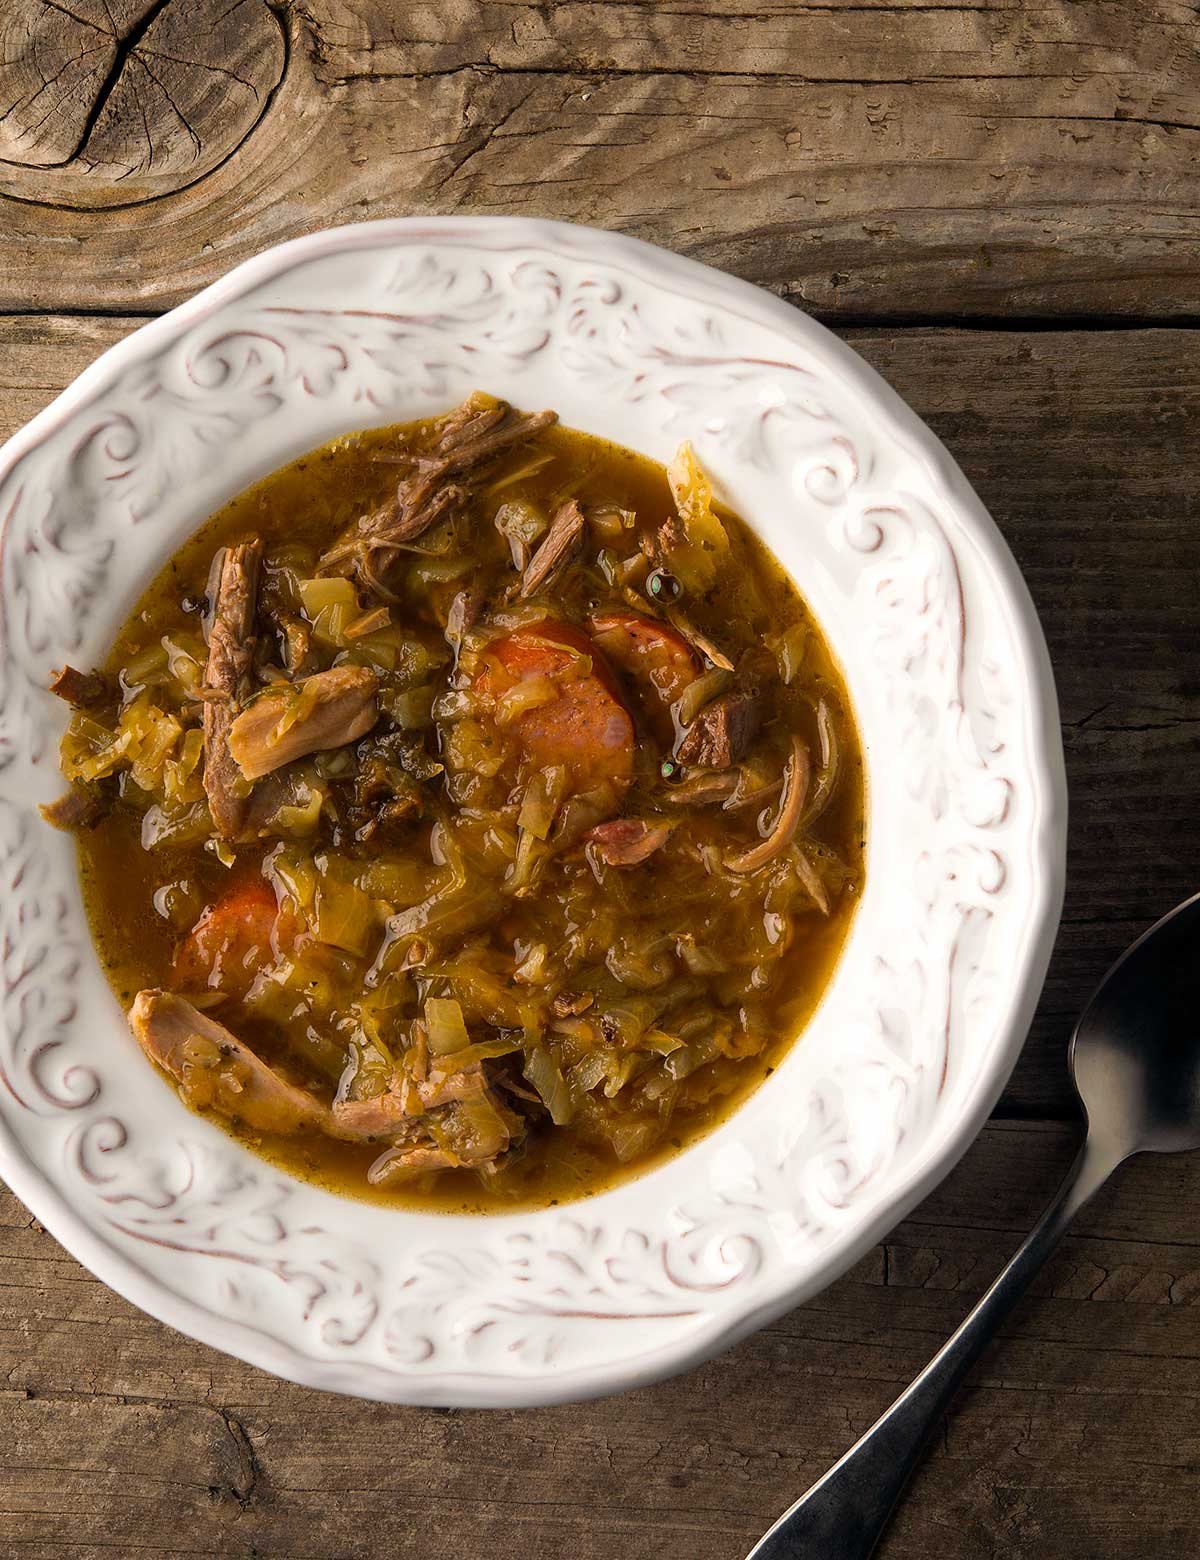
891	160
885	163
124	1437
1084	447
108	102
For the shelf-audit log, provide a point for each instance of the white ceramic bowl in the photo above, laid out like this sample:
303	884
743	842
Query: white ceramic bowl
948	670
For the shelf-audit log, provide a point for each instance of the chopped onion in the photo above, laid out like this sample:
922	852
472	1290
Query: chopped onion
625	1072
521	472
609	522
632	1138
698	640
411	710
520	524
682	1063
591	1071
432	571
697	790
531	853
699	960
707	543
146	666
369	623
161	827
400	881
454	704
319	595
345	917
660	1041
541	801
632	1016
643	969
537	810
183	661
809	876
299	816
531	970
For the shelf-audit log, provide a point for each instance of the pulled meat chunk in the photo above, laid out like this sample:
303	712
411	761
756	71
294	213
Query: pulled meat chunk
627	842
217	1071
83	690
555	551
74	809
721	733
470	1124
292	720
231	645
435	487
796	776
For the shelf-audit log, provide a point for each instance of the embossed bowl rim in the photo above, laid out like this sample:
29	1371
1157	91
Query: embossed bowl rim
925	1167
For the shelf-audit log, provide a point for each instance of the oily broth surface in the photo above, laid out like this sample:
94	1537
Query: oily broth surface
312	500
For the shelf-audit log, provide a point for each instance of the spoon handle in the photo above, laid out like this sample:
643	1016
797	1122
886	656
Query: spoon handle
844	1514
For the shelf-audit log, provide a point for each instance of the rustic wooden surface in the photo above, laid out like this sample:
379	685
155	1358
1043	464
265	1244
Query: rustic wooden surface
998	205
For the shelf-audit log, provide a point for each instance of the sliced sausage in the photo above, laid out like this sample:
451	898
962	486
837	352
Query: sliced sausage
651	652
587	728
231	940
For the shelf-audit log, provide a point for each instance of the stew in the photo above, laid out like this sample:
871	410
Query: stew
470	814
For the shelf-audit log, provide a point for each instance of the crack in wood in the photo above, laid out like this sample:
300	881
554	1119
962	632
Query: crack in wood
125	46
185	83
240	1472
581	70
243	1489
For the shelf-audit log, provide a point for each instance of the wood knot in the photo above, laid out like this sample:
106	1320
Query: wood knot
110	102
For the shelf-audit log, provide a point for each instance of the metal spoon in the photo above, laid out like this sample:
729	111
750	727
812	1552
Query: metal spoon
1135	1061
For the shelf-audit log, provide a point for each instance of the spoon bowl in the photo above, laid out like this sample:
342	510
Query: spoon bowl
1135	1053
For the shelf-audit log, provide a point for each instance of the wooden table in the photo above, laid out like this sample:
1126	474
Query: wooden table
998	206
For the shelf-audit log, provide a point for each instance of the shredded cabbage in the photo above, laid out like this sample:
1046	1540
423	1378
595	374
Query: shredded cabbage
706	548
444	1024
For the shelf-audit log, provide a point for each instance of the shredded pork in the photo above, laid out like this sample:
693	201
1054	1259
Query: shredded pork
555	551
83	690
231	646
435	487
291	720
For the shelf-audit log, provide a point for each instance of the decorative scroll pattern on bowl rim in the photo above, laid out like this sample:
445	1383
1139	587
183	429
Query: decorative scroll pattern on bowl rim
945	660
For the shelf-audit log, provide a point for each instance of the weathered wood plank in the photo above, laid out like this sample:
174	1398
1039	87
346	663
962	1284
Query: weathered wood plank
1076	1437
892	160
1084	447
